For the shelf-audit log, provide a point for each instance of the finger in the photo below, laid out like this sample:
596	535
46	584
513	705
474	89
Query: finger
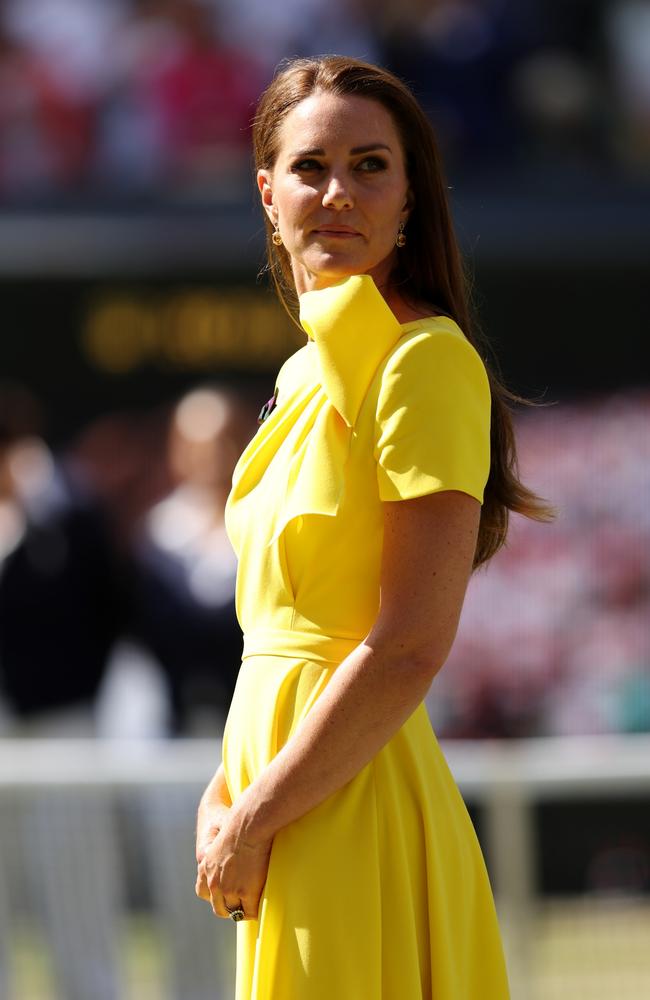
218	905
205	839
214	891
202	847
250	906
202	888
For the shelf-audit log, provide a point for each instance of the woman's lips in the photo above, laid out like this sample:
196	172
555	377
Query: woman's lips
339	233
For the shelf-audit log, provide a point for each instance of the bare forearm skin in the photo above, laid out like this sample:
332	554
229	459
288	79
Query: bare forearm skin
370	696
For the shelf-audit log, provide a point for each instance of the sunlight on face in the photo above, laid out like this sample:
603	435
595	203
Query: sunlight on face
338	189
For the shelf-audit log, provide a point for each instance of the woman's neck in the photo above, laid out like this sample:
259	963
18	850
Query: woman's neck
404	310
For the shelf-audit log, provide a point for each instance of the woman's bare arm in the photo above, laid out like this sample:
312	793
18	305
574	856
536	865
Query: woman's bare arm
429	545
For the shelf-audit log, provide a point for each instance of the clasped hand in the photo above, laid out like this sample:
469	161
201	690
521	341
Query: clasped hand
231	870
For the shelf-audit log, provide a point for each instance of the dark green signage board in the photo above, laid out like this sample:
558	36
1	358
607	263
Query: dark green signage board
87	348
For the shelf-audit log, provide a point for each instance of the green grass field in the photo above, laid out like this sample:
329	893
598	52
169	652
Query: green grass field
582	949
592	950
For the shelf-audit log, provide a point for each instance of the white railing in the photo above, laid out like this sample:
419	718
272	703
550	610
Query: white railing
91	829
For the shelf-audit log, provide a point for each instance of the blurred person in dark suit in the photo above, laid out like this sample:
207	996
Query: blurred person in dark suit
183	577
60	600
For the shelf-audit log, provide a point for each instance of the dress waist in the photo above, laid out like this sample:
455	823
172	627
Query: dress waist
315	646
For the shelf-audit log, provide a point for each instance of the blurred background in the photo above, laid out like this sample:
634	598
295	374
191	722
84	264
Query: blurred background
138	342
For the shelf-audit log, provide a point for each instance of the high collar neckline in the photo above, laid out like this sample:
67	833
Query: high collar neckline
353	329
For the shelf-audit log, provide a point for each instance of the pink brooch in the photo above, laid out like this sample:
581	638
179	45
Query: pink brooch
268	407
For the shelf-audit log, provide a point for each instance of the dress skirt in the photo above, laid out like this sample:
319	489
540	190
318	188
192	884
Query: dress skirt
380	892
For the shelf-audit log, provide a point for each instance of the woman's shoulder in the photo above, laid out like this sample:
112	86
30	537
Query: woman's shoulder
431	351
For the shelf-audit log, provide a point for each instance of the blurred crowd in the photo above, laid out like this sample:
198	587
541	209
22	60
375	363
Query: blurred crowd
554	638
117	578
117	611
154	97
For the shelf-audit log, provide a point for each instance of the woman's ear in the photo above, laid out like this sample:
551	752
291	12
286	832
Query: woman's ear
266	193
409	201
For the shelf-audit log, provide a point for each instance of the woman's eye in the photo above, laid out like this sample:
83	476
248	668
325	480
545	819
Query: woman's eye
303	165
372	163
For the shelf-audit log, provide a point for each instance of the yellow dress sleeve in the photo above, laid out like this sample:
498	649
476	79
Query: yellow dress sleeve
432	430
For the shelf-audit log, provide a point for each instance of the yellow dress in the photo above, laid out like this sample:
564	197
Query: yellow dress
380	892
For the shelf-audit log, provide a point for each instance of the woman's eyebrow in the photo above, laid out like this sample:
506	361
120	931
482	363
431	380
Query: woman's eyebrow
370	147
357	149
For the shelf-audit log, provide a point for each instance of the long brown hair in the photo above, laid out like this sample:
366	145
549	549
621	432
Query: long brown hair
430	267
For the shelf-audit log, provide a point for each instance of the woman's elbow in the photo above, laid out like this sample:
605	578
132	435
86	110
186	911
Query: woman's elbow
417	659
425	663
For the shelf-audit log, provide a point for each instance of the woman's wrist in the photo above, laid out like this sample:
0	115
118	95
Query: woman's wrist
248	819
212	814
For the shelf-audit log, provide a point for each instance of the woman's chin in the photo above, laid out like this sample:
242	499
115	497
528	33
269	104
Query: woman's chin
324	268
322	274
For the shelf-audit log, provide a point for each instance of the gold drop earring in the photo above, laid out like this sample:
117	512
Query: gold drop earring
400	239
276	237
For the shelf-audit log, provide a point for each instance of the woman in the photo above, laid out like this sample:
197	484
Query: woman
333	830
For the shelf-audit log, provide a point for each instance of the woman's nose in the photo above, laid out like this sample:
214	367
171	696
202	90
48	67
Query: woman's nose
337	194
